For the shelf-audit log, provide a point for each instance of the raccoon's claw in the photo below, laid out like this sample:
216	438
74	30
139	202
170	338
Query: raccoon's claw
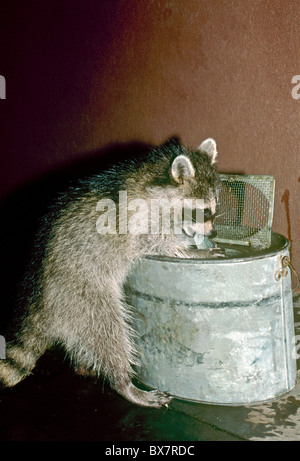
217	252
158	398
154	399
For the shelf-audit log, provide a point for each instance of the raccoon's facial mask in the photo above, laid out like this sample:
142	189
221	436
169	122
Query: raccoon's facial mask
182	167
199	220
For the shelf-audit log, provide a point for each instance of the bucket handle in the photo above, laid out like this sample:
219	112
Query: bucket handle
285	262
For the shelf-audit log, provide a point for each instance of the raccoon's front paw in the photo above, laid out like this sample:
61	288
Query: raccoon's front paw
217	252
211	253
201	253
183	253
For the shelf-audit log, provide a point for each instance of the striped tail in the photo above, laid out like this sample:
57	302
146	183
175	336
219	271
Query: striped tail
18	364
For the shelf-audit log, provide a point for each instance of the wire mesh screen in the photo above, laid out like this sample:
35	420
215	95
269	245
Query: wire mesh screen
245	209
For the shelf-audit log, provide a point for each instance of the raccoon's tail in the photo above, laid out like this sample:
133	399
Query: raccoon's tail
18	364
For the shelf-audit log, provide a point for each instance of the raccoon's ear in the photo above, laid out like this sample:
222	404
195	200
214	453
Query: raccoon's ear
174	141
209	147
182	169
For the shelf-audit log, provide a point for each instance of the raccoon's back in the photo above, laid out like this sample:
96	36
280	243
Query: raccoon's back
64	213
67	213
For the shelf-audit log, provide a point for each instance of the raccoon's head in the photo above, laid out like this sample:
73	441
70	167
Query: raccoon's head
196	178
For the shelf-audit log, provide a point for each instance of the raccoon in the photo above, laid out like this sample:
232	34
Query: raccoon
72	291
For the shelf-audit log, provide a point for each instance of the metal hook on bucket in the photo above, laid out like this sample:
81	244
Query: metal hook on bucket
285	262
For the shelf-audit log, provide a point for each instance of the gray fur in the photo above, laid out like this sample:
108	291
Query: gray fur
73	290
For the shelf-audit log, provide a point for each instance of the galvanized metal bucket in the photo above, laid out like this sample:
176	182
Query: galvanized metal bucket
216	331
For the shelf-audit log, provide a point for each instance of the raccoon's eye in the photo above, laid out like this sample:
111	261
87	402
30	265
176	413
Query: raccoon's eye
197	215
208	216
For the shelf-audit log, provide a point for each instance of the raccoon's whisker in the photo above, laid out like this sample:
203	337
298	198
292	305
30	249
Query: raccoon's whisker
224	212
221	214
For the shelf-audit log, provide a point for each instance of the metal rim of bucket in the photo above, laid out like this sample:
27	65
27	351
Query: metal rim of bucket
224	404
279	243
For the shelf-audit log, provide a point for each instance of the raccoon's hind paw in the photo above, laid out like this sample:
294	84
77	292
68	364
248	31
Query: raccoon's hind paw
157	398
154	399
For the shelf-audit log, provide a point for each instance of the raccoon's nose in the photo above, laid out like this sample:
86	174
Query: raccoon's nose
212	234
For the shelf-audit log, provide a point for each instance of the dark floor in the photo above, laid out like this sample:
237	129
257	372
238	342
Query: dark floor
54	404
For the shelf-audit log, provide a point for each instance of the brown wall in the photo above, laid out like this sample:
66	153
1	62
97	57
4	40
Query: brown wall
84	74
